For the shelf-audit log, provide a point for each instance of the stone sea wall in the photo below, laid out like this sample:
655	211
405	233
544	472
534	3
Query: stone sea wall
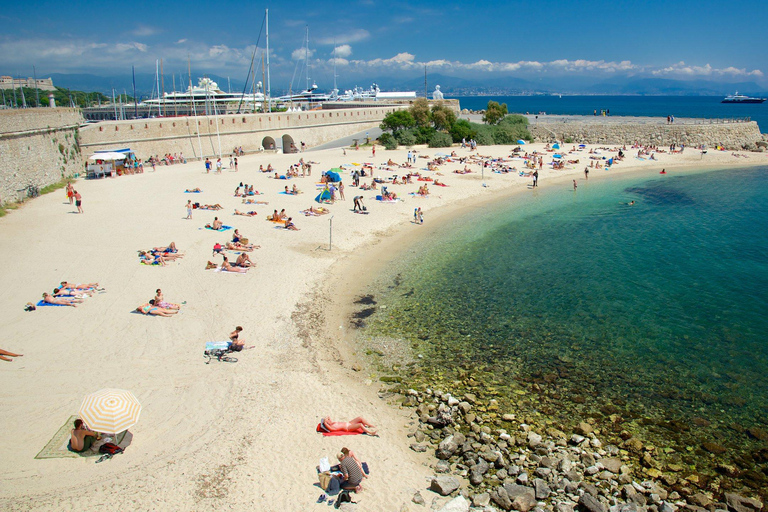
37	147
733	136
253	132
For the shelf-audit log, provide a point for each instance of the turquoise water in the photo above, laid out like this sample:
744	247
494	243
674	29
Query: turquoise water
573	303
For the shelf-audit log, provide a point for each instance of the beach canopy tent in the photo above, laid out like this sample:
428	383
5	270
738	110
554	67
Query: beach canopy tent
333	176
114	162
324	196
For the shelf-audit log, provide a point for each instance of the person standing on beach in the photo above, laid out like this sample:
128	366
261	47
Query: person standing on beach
218	165
70	192
341	190
207	165
235	164
373	150
78	201
574	185
586	173
409	156
535	178
189	209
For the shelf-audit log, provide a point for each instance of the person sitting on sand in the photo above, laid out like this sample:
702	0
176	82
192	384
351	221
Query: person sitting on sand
290	225
150	308
346	452
193	190
215	225
61	301
352	474
227	267
243	260
160	301
274	217
236	236
236	344
359	423
245	214
81	438
295	190
282	215
5	355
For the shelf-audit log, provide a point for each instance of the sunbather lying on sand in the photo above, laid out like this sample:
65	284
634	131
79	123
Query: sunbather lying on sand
61	301
193	190
312	211
252	201
359	423
79	286
237	246
168	248
227	267
151	309
72	292
4	353
245	214
216	206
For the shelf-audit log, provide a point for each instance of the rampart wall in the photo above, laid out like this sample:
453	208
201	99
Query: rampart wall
733	136
38	146
197	137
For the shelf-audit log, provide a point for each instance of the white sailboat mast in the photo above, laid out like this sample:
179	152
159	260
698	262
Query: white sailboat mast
269	89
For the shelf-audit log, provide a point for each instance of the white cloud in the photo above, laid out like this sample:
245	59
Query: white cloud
682	69
346	36
342	51
301	54
145	31
181	41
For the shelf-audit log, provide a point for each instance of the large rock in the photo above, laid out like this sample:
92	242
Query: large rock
500	497
523	498
738	503
481	500
589	503
449	446
584	428
541	488
533	439
444	484
477	472
612	464
457	504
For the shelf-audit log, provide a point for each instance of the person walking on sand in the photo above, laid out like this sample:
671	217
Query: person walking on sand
535	178
70	192
189	209
574	185
78	201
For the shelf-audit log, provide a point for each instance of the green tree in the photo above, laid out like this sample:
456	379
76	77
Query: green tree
420	112
388	141
494	112
443	117
462	129
440	140
398	120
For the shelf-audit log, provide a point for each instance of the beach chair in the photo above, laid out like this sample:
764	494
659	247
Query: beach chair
218	350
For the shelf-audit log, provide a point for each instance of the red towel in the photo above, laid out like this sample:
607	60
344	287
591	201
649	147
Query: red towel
343	432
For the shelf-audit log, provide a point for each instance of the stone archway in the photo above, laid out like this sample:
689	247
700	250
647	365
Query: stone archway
268	143
288	145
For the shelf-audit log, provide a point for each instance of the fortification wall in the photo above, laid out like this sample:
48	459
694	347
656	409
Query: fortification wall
37	147
733	136
251	131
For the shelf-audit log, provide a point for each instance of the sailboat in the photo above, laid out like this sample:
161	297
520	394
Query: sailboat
309	96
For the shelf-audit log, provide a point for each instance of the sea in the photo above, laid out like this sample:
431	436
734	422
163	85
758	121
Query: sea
562	305
709	107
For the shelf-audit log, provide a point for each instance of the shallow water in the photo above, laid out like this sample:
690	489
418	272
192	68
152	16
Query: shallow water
572	303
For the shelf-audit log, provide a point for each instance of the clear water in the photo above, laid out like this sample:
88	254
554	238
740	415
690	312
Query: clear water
655	311
707	107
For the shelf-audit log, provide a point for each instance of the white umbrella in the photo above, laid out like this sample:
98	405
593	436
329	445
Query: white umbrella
110	410
108	156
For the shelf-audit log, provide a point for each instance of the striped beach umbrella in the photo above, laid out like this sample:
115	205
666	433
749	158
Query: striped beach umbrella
110	410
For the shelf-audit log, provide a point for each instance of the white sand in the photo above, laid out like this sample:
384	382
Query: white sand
239	436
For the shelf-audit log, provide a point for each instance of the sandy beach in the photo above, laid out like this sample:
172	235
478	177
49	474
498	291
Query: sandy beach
238	436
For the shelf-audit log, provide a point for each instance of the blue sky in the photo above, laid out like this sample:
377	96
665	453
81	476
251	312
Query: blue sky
683	39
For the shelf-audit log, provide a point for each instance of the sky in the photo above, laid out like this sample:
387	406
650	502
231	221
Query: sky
596	39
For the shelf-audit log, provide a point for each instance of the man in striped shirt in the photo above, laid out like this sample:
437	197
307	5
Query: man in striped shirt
353	475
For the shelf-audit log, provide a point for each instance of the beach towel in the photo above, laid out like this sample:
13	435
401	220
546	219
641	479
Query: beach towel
217	345
191	192
223	228
321	429
154	263
43	303
381	199
289	193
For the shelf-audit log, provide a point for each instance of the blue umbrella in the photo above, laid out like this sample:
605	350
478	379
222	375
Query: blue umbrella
333	176
557	156
555	146
520	141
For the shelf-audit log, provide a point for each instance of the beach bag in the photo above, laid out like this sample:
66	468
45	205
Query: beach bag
325	479
344	497
110	448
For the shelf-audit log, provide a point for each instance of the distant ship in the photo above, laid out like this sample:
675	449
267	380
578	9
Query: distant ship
740	98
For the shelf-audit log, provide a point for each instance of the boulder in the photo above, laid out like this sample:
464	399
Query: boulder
541	489
612	464
501	498
448	446
584	428
589	503
444	484
457	504
737	503
481	500
523	498
533	439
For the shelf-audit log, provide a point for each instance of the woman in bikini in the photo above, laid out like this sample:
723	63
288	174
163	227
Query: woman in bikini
151	309
358	423
227	267
236	344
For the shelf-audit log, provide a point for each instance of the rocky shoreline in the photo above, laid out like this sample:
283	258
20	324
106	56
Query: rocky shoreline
509	464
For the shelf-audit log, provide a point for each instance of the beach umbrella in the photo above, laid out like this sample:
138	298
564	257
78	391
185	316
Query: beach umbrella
582	146
555	146
520	141
334	177
557	156
336	170
110	411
